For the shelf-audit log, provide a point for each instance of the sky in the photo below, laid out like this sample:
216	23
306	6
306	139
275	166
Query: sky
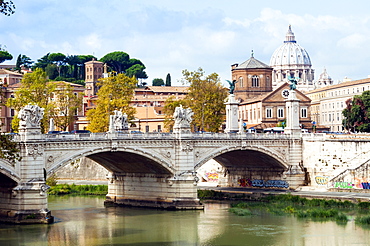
170	36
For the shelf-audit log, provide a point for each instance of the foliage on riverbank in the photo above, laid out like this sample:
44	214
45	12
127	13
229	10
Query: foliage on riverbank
315	209
64	189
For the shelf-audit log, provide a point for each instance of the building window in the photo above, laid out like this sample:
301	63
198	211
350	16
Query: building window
280	112
255	81
303	112
268	112
241	82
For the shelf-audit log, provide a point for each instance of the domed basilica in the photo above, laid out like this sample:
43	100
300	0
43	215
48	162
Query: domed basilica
291	60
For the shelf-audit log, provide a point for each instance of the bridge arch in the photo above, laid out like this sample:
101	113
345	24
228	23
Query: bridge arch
118	161
8	172
236	152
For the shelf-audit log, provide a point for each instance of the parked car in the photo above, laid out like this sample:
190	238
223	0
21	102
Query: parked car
80	131
54	132
136	132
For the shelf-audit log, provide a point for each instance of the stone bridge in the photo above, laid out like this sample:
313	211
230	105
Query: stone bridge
151	169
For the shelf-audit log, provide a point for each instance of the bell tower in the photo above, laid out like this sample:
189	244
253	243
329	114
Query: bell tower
93	71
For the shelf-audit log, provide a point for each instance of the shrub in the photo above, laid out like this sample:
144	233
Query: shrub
364	220
363	205
52	180
240	211
341	218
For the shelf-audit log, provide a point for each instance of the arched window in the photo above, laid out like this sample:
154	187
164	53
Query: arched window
241	82
255	81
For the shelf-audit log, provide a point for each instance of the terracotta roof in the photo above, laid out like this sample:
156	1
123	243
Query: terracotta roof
4	71
165	89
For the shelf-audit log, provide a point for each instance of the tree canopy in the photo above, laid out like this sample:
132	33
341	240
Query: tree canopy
7	7
34	89
23	60
64	68
4	55
115	93
157	82
206	98
9	149
168	80
120	62
357	113
67	104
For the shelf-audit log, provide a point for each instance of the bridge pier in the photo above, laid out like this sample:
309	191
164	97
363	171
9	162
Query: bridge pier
26	204
149	190
26	201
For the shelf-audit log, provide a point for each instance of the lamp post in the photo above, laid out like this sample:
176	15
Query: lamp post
203	104
147	126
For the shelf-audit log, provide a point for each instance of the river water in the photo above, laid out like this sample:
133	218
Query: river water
85	221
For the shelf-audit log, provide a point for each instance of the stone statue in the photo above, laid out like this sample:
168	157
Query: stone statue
30	116
232	86
119	121
293	83
182	117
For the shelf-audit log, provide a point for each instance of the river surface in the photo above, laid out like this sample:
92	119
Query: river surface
85	221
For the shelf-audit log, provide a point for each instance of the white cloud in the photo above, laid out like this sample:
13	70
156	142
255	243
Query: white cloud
354	41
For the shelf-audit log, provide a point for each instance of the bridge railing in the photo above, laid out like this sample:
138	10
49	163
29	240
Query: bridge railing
212	135
151	135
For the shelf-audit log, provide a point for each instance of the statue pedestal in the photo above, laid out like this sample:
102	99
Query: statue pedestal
232	114
292	119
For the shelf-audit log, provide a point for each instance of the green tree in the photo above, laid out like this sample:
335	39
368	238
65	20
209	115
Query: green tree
43	62
51	71
120	62
7	7
67	102
206	98
168	110
23	60
34	89
9	149
115	93
357	113
58	59
157	82
136	71
4	55
168	80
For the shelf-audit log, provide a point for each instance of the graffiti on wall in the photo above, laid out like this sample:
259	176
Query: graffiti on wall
245	182
263	184
322	180
359	183
212	177
349	185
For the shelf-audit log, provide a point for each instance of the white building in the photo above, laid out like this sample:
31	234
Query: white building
328	102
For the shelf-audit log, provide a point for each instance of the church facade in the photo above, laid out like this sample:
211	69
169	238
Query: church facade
260	106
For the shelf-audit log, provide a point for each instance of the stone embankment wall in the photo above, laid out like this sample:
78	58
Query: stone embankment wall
82	169
337	161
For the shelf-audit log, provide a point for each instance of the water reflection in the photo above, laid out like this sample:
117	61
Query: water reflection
85	221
